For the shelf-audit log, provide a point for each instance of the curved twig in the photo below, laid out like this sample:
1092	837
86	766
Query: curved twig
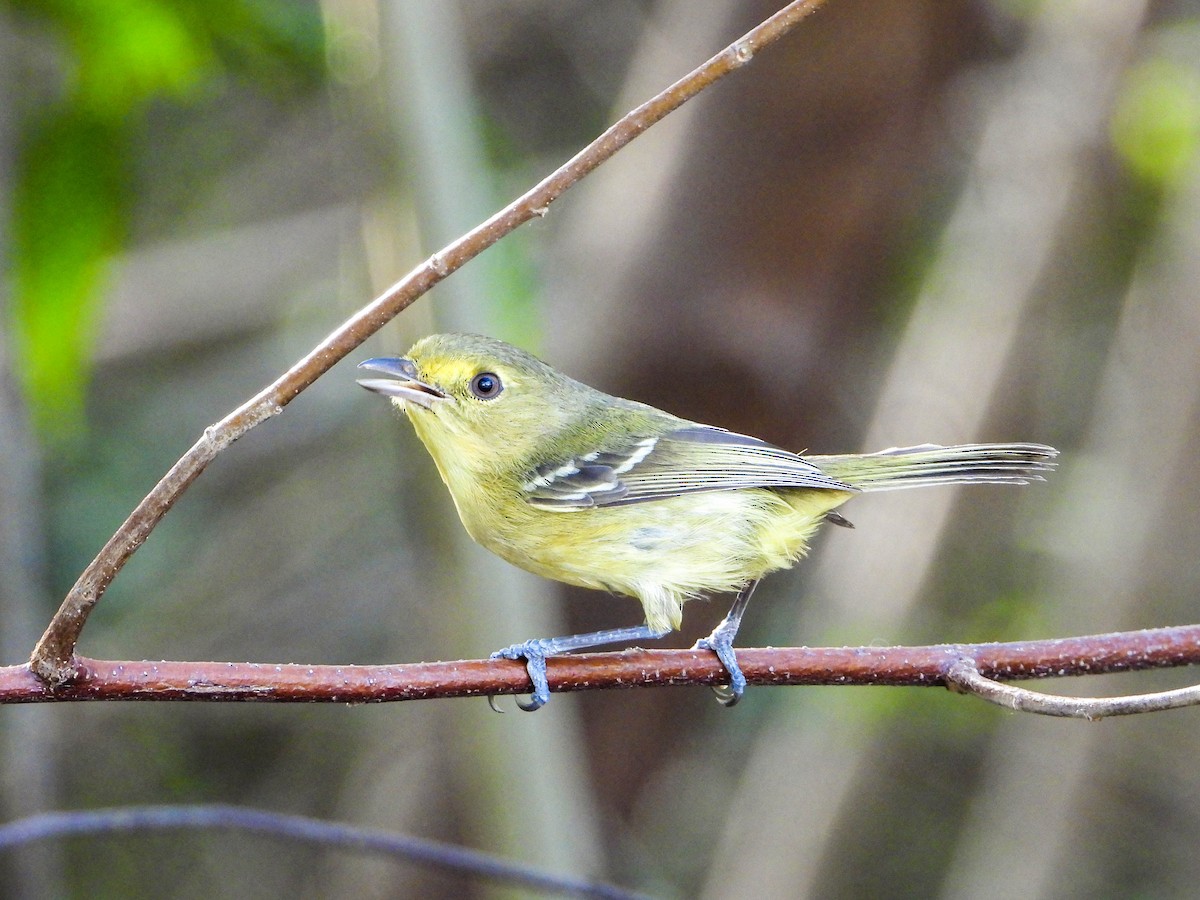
964	676
53	657
282	826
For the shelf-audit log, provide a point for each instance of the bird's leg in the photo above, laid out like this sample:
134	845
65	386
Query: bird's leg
534	653
720	642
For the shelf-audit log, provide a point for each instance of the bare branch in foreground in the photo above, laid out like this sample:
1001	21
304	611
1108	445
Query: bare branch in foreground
53	657
281	826
931	666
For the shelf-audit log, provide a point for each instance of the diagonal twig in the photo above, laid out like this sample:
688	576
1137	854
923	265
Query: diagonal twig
53	657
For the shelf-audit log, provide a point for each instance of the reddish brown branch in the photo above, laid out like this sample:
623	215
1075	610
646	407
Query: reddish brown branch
53	658
912	666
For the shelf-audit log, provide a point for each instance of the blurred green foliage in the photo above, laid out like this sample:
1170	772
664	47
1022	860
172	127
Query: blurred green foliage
72	198
1156	125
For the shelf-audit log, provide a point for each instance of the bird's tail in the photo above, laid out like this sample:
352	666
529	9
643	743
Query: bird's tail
929	464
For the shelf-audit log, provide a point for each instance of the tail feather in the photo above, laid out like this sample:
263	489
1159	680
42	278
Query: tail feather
930	464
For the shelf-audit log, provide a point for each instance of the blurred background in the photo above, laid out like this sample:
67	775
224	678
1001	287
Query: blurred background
942	220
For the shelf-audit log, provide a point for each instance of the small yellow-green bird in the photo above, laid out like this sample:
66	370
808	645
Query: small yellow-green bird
594	490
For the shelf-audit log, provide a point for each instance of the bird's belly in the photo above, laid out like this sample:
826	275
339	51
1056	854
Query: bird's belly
684	545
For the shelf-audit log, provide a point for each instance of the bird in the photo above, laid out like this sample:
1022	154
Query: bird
576	485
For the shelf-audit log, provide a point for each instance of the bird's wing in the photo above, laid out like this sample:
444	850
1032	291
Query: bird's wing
690	459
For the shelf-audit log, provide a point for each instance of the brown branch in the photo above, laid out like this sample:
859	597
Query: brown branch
53	657
932	666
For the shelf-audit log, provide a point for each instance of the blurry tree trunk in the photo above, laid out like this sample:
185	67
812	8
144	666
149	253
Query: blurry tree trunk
1104	540
1037	135
525	788
29	739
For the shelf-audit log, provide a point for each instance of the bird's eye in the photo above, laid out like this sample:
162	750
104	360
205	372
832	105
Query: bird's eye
486	386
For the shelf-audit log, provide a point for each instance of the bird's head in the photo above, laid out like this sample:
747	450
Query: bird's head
477	393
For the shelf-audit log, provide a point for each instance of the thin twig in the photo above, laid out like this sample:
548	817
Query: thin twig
53	657
898	666
964	676
281	826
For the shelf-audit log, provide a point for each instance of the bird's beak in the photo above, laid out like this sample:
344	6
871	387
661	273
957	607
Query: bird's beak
403	384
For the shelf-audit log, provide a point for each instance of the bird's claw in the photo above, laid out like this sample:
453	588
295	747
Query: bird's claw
535	703
722	646
534	655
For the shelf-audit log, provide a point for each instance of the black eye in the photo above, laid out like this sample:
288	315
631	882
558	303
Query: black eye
486	385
